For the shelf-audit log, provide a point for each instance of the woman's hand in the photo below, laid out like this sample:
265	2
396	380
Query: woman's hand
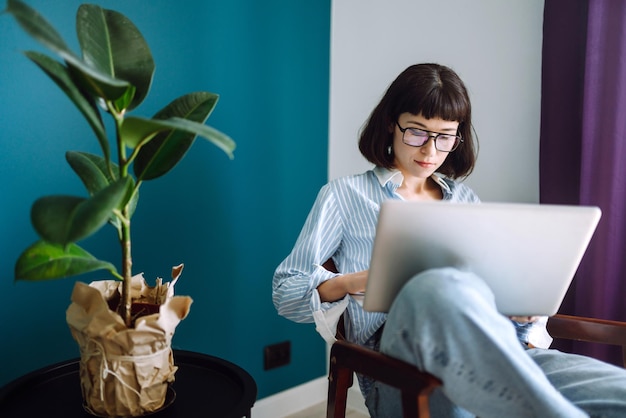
338	287
524	319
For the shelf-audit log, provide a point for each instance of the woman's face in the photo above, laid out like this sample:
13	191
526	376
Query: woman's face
420	162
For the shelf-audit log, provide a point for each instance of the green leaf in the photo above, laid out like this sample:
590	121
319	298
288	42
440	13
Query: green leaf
219	139
45	261
36	26
111	43
124	102
98	84
66	219
93	172
60	75
136	131
196	106
166	149
42	31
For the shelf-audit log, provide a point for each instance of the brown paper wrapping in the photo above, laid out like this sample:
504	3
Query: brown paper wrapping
125	371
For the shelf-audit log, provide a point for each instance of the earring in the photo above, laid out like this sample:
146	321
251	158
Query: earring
389	149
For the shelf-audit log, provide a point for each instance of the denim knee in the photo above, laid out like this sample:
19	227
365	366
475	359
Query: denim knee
444	289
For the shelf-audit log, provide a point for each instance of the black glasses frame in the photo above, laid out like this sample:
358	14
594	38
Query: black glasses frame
431	134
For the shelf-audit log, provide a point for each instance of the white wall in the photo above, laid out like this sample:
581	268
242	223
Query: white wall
494	45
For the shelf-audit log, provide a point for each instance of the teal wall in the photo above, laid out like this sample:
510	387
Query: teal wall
230	222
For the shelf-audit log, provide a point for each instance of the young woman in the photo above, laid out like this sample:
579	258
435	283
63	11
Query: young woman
419	137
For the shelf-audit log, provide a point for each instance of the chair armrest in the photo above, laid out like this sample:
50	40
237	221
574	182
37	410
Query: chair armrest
347	358
588	329
381	367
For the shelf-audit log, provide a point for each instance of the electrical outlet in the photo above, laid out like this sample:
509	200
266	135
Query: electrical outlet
276	355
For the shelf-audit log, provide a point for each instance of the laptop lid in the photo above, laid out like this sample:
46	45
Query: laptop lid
527	253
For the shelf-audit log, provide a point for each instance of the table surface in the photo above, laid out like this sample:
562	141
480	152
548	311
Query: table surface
205	386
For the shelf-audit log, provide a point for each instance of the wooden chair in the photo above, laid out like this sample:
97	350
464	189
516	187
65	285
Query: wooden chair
346	358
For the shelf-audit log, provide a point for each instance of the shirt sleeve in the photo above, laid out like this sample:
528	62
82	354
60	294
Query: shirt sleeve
538	334
534	333
294	287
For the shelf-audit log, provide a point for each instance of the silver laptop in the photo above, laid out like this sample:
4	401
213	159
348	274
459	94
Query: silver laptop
527	253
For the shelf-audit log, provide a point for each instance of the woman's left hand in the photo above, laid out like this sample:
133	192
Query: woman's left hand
524	319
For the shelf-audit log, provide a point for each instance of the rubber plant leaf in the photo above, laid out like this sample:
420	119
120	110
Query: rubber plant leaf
95	175
67	219
85	104
111	43
36	26
166	149
137	131
161	155
40	29
92	170
46	261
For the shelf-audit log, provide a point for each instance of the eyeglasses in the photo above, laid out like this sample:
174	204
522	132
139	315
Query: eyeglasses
418	137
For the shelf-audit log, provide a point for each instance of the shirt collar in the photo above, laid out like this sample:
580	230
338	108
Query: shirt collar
386	176
394	177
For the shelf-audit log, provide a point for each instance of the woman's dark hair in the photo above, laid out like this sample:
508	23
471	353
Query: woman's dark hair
434	91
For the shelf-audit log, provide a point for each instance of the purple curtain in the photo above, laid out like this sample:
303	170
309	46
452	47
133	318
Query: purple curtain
583	146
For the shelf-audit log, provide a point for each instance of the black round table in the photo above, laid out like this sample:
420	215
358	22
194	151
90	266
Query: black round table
205	386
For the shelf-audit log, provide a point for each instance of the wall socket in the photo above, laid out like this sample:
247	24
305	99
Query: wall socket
276	355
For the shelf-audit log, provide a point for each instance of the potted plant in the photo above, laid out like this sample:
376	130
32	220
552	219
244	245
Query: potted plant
112	77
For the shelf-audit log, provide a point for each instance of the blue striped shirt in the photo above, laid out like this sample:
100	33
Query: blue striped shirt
341	225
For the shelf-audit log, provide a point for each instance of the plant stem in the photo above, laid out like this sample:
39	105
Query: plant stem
125	239
127	264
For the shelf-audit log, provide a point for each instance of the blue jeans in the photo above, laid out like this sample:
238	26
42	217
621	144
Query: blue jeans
445	322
